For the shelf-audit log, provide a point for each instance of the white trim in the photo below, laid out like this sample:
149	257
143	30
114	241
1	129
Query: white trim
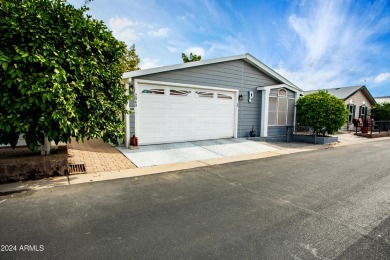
264	111
280	86
247	57
172	84
137	82
136	117
127	119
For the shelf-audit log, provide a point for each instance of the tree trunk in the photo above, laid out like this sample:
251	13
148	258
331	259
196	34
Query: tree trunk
45	147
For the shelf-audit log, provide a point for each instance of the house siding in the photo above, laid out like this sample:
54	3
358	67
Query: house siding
277	130
358	99
233	75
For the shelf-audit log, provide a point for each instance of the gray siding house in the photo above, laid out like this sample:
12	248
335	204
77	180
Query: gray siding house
211	99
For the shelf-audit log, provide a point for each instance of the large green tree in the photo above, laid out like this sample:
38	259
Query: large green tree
321	110
60	74
191	58
132	60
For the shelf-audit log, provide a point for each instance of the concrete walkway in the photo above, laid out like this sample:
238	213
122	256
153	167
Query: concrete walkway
281	149
161	154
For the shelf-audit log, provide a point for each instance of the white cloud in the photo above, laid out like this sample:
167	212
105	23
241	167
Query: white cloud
124	29
160	33
382	77
195	50
149	63
130	31
327	44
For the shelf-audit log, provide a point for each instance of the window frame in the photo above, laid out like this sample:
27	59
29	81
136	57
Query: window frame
280	95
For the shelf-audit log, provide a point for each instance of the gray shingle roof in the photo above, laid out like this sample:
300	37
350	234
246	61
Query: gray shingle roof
341	93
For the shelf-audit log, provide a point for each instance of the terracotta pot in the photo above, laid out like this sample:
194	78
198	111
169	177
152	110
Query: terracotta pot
364	129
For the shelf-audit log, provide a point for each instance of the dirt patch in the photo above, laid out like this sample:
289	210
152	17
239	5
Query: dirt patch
21	164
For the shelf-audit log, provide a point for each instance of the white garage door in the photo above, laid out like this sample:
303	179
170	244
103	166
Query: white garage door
175	114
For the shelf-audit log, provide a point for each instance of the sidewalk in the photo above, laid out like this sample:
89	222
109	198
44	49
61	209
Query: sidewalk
282	149
97	156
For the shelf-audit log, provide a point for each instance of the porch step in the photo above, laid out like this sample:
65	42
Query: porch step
276	138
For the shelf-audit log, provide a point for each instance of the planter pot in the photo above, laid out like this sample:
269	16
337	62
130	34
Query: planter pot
364	129
252	133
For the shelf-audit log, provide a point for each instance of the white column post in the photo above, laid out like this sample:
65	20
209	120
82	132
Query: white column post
264	112
127	119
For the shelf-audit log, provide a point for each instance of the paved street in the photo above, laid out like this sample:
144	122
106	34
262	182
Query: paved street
326	204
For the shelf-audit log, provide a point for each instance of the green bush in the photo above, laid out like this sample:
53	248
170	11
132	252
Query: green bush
60	74
321	110
381	112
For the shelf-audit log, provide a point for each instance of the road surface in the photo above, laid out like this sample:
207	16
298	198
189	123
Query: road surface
325	204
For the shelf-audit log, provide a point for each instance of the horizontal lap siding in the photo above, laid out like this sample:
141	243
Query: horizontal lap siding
277	130
233	75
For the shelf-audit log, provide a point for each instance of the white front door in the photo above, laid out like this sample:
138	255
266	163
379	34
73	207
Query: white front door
168	114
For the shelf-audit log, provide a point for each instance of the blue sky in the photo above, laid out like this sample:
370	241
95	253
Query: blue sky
314	44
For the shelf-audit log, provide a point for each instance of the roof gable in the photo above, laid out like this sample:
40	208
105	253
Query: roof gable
345	92
245	57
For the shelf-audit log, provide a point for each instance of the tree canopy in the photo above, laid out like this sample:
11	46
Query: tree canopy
60	74
381	111
132	60
321	110
193	57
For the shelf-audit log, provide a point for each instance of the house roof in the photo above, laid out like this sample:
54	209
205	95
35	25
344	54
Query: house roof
383	99
246	57
345	92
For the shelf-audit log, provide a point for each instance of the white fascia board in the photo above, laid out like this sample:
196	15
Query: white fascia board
137	73
152	82
271	72
280	86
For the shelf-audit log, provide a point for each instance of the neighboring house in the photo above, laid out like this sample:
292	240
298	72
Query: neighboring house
211	99
357	99
381	100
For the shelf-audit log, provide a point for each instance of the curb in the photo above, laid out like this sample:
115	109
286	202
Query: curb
8	188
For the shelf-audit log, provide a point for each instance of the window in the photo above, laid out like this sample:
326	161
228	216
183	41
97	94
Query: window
225	96
280	109
272	110
159	91
179	92
203	94
363	112
351	115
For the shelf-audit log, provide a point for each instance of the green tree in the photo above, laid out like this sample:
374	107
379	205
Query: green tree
381	111
193	57
60	74
132	60
321	110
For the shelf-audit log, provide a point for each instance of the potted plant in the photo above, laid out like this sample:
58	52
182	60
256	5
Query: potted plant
252	133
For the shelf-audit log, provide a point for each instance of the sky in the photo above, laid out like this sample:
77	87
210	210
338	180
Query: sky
314	44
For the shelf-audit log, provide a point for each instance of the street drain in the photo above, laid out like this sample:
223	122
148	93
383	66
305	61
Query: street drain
76	168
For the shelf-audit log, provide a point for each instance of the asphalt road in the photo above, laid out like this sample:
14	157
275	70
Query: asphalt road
326	204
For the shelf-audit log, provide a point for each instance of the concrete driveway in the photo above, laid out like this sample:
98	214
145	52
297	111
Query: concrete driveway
150	155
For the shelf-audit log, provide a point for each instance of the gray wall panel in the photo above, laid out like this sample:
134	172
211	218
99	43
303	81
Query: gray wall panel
277	130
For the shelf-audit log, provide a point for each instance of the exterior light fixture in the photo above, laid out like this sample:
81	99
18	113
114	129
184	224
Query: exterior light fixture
351	101
240	97
364	102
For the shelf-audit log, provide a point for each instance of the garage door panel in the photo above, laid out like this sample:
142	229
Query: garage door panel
184	114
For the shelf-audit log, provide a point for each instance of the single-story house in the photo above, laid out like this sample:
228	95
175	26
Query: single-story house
381	100
357	99
210	99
